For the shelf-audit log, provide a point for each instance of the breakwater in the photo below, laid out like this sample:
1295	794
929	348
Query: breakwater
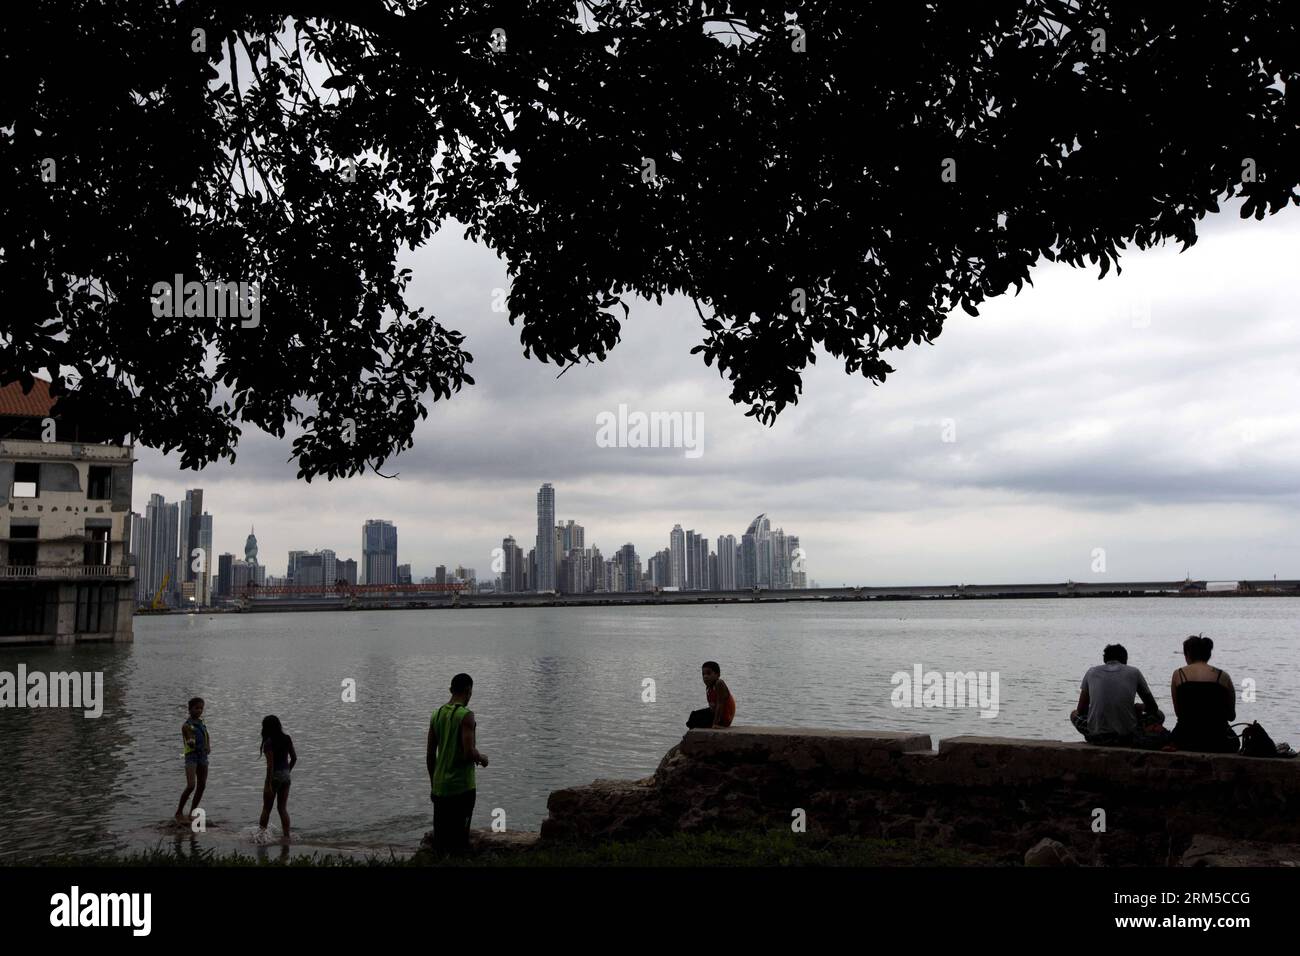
345	599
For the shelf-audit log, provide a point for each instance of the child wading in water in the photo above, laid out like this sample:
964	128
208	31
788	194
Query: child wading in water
198	744
280	761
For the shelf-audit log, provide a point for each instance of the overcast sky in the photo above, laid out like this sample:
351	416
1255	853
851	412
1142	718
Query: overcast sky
1147	414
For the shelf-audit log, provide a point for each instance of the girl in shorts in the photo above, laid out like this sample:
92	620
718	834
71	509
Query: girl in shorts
280	761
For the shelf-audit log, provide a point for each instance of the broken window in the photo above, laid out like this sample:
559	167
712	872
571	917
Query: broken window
99	484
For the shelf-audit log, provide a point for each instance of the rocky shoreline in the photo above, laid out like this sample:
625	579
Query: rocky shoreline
1019	801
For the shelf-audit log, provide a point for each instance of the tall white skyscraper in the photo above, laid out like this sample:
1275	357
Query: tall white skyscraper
726	563
677	558
798	568
780	561
547	559
756	554
329	566
203	576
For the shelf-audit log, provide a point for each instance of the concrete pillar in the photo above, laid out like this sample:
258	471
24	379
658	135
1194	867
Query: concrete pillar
65	629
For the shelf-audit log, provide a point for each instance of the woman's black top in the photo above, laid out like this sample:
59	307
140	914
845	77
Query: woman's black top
1205	709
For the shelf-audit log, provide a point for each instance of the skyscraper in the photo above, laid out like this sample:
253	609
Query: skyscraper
203	578
780	561
726	563
692	560
512	566
379	552
309	571
190	529
159	555
546	556
250	549
756	554
798	571
291	571
225	579
329	565
139	539
629	567
677	558
572	535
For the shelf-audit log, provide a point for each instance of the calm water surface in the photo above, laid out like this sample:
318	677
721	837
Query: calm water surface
558	696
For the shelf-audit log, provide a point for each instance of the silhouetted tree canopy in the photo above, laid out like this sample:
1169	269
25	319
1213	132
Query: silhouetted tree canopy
799	151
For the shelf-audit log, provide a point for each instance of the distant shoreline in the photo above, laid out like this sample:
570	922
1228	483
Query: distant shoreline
697	598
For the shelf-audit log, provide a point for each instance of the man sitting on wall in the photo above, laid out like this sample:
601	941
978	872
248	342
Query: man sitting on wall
1107	714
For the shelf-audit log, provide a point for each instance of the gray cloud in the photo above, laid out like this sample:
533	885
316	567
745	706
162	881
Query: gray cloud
1148	413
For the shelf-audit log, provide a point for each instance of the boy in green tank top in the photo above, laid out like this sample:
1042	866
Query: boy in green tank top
450	756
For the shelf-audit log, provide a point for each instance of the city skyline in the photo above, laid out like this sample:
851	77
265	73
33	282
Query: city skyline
1136	426
161	538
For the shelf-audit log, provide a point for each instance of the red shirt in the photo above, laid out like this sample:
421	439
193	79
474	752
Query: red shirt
728	711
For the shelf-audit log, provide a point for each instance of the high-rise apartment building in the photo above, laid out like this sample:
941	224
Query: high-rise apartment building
629	567
329	565
512	566
190	529
203	577
163	521
756	554
225	579
780	561
677	558
798	569
726	580
547	557
346	570
379	552
692	561
309	571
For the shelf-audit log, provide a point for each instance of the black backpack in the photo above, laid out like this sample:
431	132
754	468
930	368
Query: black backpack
1255	741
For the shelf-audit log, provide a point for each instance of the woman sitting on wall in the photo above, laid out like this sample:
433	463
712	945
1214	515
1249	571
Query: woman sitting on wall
1205	702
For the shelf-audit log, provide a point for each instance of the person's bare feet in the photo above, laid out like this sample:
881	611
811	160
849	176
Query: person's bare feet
180	819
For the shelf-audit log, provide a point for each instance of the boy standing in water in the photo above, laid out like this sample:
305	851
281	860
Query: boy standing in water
198	744
450	755
722	705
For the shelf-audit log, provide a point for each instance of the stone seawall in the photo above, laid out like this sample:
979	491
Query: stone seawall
989	794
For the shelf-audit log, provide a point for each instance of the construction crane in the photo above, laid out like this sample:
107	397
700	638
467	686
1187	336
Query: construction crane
157	604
